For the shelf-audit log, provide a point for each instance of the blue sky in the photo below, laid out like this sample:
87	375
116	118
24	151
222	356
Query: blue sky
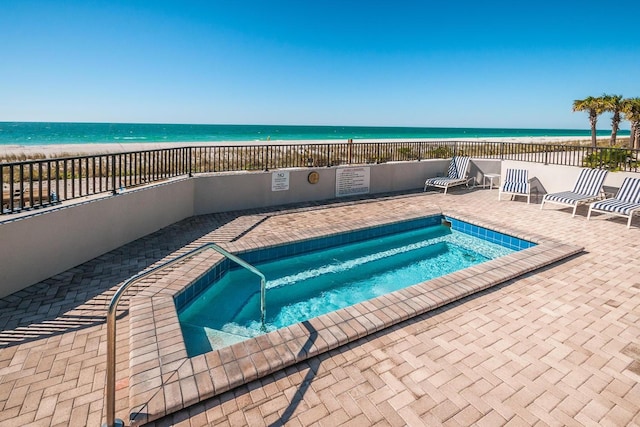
386	63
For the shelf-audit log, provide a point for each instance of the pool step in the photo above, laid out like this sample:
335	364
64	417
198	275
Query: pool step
219	339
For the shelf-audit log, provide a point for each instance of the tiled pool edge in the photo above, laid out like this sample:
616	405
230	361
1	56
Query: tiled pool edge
163	379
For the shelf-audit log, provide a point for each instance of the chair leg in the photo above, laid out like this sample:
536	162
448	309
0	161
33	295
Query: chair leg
629	222
589	214
574	210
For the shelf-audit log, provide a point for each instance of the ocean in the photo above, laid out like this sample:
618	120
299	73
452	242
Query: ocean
39	133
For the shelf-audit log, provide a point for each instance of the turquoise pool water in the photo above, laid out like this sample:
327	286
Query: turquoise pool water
310	284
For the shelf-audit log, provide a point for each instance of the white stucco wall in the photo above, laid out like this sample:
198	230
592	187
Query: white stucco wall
555	178
244	190
39	246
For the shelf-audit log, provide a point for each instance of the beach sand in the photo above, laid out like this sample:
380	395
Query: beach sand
25	152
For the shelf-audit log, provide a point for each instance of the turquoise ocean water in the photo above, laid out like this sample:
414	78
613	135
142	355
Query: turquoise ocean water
38	133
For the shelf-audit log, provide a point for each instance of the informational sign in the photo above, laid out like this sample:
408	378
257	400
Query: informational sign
352	181
280	181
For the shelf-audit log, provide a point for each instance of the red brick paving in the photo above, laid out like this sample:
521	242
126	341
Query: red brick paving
554	347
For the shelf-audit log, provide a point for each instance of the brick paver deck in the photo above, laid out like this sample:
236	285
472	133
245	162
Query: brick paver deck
560	346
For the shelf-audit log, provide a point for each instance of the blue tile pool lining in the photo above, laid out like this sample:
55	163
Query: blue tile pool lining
290	249
497	237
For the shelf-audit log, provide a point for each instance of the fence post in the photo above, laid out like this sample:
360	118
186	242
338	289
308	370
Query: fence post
328	155
190	154
2	186
113	174
11	189
21	174
266	158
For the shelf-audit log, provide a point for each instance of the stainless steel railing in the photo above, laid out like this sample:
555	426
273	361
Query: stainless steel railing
110	391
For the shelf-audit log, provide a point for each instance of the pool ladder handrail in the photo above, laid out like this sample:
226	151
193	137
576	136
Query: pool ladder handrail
110	391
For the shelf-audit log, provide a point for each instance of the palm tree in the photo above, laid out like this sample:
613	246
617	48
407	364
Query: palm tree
631	112
593	106
612	104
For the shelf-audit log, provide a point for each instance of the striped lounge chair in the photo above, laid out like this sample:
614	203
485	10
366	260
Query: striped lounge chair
457	175
516	183
587	189
625	203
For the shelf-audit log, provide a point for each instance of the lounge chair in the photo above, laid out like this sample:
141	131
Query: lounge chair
625	203
457	175
516	183
587	189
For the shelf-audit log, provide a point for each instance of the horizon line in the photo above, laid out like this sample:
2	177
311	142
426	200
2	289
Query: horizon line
310	125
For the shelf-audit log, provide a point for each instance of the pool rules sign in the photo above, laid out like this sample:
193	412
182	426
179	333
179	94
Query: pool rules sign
352	181
280	181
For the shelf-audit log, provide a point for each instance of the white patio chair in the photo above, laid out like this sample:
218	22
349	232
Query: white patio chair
587	189
625	203
516	183
457	175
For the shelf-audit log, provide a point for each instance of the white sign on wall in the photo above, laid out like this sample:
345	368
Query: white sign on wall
352	181
280	181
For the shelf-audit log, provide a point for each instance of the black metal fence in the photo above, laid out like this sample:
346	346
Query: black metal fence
45	182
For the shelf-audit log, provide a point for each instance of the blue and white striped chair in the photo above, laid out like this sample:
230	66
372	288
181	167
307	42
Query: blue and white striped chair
516	183
457	175
625	203
587	189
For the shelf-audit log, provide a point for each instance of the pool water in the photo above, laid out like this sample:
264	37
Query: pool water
311	284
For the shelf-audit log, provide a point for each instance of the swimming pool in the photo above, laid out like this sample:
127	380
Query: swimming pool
311	278
165	378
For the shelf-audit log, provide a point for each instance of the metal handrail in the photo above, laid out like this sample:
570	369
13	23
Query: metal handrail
110	393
